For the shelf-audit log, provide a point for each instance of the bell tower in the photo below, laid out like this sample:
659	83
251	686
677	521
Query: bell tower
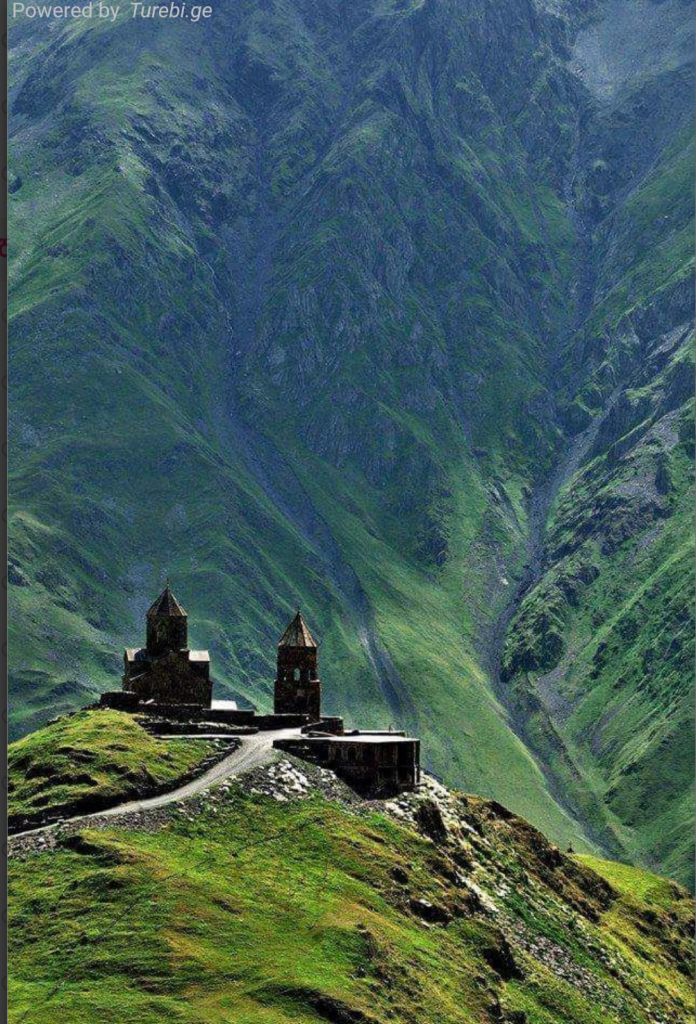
297	684
167	625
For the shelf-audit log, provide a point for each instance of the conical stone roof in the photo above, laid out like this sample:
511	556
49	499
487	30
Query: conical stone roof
297	634
166	606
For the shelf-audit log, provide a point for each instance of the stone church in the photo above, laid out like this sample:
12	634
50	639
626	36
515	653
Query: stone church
165	670
166	678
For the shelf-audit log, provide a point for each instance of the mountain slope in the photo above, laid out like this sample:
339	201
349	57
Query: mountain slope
310	306
600	654
287	899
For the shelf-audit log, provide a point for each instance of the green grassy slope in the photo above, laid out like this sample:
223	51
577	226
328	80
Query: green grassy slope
291	314
601	652
93	757
248	909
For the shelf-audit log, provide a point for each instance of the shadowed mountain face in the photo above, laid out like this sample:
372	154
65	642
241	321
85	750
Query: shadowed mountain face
382	309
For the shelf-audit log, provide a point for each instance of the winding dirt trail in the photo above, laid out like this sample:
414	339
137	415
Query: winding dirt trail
252	751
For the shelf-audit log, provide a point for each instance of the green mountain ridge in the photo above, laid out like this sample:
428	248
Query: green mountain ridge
90	760
281	896
384	311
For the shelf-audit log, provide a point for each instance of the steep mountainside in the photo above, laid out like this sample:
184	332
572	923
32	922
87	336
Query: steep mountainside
287	899
600	654
381	308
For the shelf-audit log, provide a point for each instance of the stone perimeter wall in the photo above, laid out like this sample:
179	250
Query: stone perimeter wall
120	700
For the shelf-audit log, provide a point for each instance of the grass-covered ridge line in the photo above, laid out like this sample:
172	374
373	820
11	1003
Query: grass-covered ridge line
93	759
247	909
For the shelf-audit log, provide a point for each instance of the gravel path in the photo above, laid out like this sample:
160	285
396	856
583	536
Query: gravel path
253	750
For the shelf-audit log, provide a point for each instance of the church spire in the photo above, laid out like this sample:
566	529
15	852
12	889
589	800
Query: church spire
297	687
297	634
167	624
166	605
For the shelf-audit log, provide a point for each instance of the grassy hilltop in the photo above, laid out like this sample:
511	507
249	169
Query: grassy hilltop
250	907
383	309
92	759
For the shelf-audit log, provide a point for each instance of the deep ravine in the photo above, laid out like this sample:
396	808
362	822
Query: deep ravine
570	457
540	507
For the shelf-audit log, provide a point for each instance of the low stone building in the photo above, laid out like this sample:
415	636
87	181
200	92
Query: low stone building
376	764
165	670
379	763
